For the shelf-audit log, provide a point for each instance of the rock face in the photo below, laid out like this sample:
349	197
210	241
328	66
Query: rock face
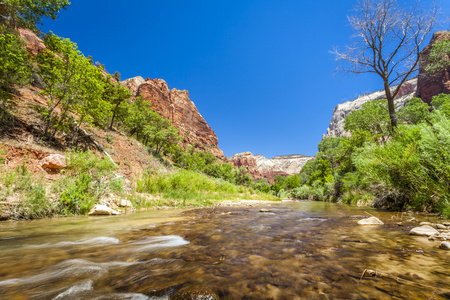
430	85
336	128
176	106
34	44
260	167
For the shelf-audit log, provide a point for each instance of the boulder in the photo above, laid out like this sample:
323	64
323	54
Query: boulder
125	203
440	226
101	210
425	230
54	162
445	245
370	221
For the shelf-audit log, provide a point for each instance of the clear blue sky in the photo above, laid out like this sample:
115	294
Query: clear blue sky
259	72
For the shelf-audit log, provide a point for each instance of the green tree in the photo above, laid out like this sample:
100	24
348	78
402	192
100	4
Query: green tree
372	117
29	13
72	83
116	94
15	68
441	102
414	112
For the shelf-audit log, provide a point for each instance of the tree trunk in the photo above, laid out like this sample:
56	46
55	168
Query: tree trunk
113	116
391	106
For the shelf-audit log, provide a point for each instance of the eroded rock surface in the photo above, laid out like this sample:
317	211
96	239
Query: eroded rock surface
176	106
430	85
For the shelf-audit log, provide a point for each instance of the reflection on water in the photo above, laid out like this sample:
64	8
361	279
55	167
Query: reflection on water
300	250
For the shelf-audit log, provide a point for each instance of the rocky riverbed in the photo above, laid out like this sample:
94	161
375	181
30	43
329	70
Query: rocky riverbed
287	250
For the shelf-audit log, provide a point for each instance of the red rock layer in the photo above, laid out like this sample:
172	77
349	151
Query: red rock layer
429	85
176	106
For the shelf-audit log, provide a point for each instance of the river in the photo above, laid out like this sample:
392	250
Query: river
292	250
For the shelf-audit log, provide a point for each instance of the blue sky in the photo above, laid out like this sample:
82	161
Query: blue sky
259	72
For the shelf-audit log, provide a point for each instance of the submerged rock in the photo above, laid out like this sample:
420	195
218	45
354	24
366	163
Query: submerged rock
101	210
370	221
425	230
445	245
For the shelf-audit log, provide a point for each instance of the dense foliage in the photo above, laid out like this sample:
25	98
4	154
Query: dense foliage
397	169
15	67
28	13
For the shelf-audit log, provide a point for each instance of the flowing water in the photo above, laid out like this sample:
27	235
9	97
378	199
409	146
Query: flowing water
297	250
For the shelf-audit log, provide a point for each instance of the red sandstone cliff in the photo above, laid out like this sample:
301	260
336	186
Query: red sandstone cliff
176	106
429	85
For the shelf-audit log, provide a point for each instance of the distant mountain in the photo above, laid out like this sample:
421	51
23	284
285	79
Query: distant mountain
260	167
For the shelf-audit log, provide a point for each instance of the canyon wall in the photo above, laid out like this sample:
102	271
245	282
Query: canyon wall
176	106
430	85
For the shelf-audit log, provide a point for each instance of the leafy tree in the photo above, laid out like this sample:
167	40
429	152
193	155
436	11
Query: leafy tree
388	42
439	58
414	112
29	13
116	94
323	173
441	102
71	83
372	117
14	66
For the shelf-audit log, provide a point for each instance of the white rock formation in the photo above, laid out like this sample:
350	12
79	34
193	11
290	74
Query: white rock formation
342	110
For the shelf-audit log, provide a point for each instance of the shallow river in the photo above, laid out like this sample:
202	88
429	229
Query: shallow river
297	250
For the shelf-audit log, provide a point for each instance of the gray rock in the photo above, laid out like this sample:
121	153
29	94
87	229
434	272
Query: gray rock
445	245
102	210
426	223
370	221
440	226
264	210
425	230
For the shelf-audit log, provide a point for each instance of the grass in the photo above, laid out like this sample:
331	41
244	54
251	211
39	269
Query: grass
89	177
189	188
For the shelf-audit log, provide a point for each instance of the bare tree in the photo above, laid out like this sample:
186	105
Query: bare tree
388	42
